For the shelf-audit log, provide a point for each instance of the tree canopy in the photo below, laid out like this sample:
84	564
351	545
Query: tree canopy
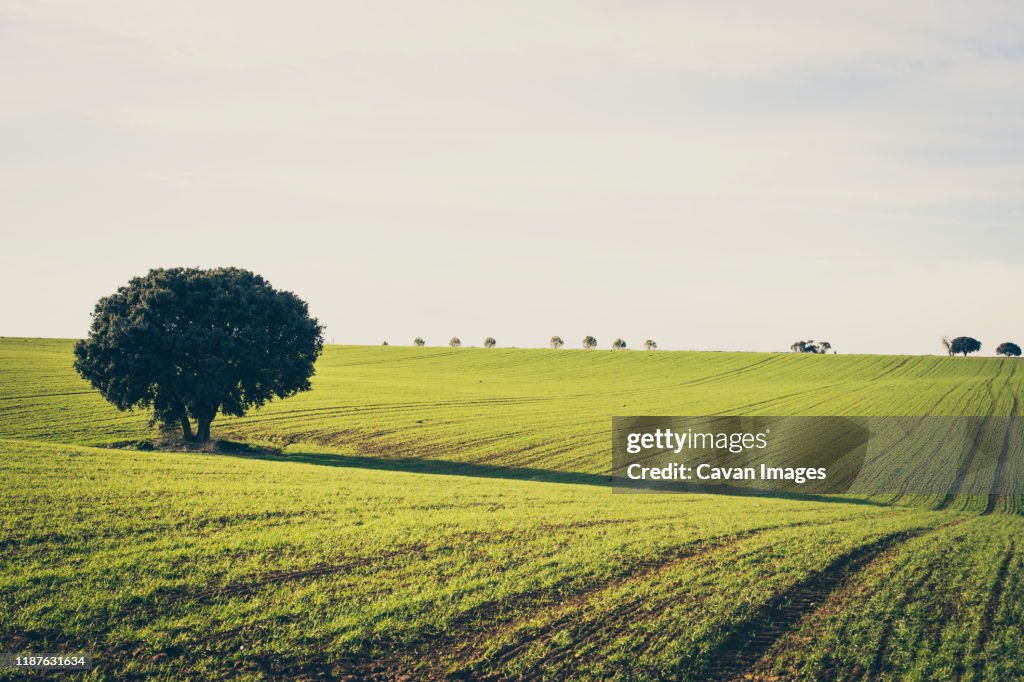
589	342
619	344
964	345
556	342
455	342
1008	349
489	342
190	343
810	346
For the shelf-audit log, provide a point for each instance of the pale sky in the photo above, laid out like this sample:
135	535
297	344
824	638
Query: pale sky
713	175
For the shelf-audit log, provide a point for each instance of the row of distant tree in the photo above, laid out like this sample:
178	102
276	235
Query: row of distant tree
961	345
555	342
964	345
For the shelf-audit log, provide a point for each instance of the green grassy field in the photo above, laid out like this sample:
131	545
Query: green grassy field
446	513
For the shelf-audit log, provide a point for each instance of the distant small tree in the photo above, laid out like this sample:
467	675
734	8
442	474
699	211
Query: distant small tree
489	342
618	344
589	342
418	341
651	344
965	345
947	343
811	347
454	342
556	342
384	344
1008	349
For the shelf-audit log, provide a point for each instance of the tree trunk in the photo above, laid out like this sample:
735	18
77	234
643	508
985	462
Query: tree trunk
203	429
186	427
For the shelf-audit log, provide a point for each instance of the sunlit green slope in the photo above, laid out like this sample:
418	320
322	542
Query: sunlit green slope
358	554
197	566
508	407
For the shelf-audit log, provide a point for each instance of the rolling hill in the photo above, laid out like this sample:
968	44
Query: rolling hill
445	513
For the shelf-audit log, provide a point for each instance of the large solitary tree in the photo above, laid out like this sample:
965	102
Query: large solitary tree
193	343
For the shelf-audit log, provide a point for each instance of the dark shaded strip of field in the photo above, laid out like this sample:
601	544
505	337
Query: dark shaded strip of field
998	495
965	464
740	650
923	466
474	470
968	461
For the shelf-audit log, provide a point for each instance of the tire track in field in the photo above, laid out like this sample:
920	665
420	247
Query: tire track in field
283	666
995	497
744	410
165	599
406	358
462	635
731	374
989	614
622	617
895	367
44	395
438	653
315	571
924	465
749	641
942	399
418	551
386	408
968	460
787	649
594	629
878	663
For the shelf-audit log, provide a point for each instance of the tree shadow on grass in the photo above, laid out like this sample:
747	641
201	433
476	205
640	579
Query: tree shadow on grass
416	465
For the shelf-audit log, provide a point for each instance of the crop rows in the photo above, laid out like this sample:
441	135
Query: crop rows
446	513
211	565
